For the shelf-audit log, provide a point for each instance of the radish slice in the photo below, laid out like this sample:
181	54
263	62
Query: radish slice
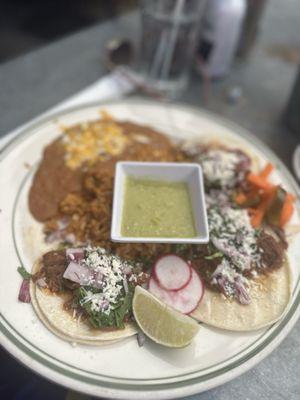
184	300
166	296
191	295
172	272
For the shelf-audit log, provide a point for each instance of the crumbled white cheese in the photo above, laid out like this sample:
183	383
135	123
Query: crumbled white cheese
132	278
219	167
231	233
226	270
108	272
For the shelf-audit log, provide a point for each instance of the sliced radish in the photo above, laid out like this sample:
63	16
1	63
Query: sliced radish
172	272
165	295
191	295
184	300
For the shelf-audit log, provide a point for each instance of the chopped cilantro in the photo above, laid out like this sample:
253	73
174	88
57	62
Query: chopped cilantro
218	254
25	275
115	317
210	247
145	261
181	247
63	246
258	232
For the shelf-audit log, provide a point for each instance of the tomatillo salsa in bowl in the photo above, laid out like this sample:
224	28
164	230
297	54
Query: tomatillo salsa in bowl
159	202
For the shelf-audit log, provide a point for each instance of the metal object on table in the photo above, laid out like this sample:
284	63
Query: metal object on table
292	121
119	57
255	10
119	51
296	162
292	112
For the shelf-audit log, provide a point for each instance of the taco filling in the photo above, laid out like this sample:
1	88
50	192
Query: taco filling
244	266
98	286
238	251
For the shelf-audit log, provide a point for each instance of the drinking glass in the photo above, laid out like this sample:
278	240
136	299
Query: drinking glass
168	40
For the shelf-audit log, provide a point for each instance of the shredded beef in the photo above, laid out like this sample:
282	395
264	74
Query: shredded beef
280	234
272	257
204	266
69	305
54	258
69	284
38	275
54	264
272	251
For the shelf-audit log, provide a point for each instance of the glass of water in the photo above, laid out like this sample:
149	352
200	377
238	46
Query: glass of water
169	34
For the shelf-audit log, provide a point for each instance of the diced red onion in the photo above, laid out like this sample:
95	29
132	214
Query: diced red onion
83	275
76	254
104	305
70	238
78	273
41	283
97	279
241	292
244	163
53	237
59	235
60	232
24	294
62	223
127	269
125	284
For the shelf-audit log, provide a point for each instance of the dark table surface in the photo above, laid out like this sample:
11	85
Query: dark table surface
37	81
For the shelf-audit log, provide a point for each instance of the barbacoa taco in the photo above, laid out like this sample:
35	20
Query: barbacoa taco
269	294
245	265
84	295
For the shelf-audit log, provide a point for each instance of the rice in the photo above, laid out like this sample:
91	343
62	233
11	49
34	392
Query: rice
89	210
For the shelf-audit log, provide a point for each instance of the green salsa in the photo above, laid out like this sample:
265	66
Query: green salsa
157	209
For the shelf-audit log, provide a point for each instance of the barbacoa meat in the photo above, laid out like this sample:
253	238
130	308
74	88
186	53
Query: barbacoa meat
206	267
272	251
54	264
272	257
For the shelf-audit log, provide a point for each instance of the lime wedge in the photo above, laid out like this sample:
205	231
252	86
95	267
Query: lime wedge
161	323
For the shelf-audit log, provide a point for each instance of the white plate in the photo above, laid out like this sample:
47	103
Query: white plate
122	370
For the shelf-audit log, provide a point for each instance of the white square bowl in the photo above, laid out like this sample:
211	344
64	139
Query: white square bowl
189	173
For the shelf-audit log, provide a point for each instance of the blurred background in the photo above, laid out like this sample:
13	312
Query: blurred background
28	24
242	56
